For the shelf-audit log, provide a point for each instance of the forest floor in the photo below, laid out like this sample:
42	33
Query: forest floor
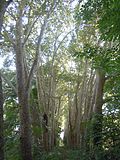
63	153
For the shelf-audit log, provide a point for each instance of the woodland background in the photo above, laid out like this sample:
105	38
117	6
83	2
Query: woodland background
60	77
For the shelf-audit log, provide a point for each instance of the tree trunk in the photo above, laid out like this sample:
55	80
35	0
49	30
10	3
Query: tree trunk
23	92
1	122
2	11
97	119
25	131
88	110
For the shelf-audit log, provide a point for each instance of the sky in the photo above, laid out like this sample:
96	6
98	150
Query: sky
1	62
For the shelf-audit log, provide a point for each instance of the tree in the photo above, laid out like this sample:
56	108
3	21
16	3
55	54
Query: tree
90	45
24	74
3	6
48	74
107	15
64	76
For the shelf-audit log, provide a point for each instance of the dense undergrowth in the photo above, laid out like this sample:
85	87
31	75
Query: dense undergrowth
62	153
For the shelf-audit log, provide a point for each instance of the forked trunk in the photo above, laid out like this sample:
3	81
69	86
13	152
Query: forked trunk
25	130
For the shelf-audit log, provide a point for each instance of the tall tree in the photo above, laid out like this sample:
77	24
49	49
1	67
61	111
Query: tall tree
3	6
21	34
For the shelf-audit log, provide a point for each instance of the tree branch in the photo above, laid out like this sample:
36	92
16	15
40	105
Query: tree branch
29	30
37	54
8	82
64	39
12	15
38	45
10	39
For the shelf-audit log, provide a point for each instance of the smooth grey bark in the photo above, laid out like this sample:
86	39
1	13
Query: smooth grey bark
25	132
25	128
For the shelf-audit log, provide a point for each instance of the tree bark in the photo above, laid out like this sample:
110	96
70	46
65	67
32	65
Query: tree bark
25	131
1	122
97	119
23	93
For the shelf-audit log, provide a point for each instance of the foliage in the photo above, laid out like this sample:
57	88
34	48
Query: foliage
11	130
64	153
111	121
107	15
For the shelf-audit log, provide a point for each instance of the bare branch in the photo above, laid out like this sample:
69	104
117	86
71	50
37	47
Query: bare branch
64	39
35	20
12	15
38	44
37	53
29	30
